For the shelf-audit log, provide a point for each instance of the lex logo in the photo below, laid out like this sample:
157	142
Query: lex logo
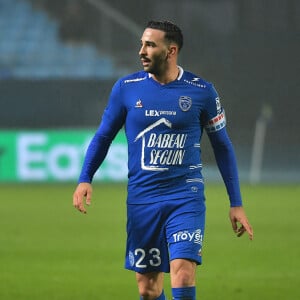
151	113
195	237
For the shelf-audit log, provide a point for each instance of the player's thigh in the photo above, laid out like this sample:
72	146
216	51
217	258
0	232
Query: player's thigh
185	232
147	249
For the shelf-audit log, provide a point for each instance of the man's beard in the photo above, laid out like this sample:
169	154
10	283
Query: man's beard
157	65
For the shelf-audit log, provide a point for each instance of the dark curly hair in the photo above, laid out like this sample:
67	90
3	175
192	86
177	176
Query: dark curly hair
172	32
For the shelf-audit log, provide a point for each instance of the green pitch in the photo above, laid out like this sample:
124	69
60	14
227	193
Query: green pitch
50	251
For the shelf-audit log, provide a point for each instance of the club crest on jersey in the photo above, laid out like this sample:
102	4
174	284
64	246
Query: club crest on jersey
185	103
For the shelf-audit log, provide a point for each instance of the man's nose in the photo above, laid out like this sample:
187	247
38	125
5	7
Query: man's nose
142	50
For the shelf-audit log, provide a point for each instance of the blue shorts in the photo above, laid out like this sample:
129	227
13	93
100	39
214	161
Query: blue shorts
160	232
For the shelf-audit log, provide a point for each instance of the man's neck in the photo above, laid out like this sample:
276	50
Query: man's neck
168	76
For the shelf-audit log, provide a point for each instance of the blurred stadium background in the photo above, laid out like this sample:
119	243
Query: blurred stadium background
59	59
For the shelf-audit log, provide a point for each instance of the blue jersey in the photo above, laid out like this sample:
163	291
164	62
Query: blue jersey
163	124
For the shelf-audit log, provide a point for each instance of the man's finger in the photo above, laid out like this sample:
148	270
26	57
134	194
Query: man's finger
241	231
234	225
81	207
75	201
88	198
247	228
78	203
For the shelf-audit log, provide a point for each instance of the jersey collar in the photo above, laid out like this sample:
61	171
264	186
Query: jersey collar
179	75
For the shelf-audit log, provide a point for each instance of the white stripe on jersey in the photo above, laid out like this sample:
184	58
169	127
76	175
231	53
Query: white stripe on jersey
195	180
195	167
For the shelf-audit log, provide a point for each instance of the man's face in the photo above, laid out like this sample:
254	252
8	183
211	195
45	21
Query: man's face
153	51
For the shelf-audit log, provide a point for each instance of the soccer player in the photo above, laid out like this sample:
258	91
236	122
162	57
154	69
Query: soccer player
164	110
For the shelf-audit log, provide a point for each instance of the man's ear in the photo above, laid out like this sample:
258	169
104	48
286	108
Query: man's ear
173	50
